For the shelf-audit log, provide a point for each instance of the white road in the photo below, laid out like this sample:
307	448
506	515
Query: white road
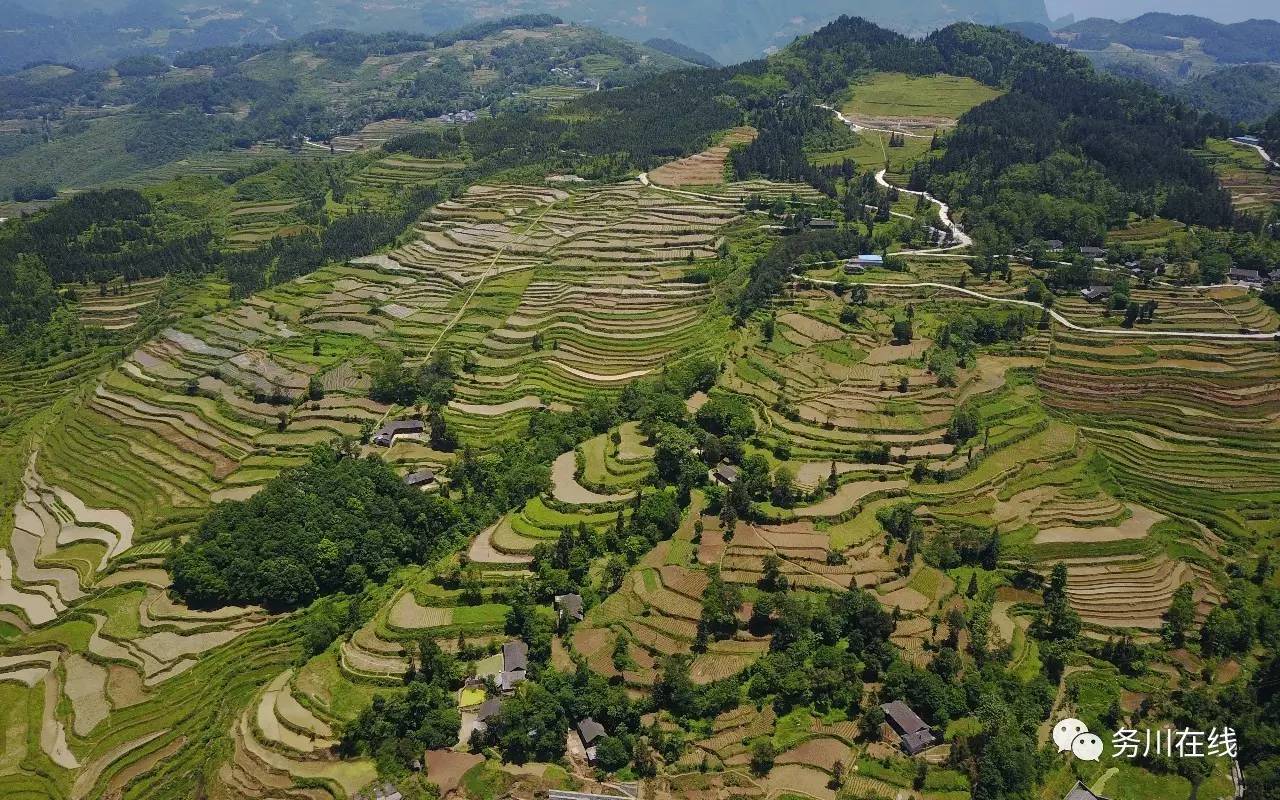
1061	319
1265	155
944	211
857	128
944	216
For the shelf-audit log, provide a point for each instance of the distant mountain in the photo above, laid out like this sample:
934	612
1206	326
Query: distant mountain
1227	69
683	51
1248	93
71	127
1223	10
1237	43
97	32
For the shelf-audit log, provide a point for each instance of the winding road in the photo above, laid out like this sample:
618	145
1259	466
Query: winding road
1061	319
944	211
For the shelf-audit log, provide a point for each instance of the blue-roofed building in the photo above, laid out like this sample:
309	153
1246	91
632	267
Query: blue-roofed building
864	262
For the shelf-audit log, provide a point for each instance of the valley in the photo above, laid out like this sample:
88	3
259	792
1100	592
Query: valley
404	464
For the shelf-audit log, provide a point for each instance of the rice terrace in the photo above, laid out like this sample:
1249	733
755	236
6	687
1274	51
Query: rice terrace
823	427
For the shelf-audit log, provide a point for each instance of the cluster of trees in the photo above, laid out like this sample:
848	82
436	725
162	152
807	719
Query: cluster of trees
564	566
326	526
392	381
1271	135
771	272
426	144
92	238
284	258
395	730
26	192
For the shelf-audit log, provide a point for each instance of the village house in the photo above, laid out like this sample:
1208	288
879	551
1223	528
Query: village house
570	606
821	223
590	732
487	711
515	664
1246	277
862	263
386	791
914	734
725	473
1082	792
1095	293
387	434
1054	245
422	477
1096	253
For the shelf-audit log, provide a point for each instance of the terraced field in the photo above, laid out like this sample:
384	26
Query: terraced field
1140	463
558	292
1244	174
117	306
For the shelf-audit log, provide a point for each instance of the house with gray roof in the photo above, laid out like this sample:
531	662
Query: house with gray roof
422	477
590	732
570	606
387	434
515	664
914	733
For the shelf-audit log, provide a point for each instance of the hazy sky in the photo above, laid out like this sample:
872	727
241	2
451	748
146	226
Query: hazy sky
1221	10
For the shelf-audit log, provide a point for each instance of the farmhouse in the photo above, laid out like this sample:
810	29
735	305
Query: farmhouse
388	433
1246	277
914	733
863	262
725	473
1081	792
422	477
1096	293
515	663
487	711
569	606
1054	245
589	732
1093	252
822	224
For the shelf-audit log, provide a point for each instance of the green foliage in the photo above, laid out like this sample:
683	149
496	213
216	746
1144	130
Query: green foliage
323	527
430	383
726	415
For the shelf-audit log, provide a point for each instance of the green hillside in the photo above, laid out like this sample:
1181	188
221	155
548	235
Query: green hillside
660	441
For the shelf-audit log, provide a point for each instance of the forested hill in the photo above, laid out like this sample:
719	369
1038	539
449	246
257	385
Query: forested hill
1062	154
68	127
1271	134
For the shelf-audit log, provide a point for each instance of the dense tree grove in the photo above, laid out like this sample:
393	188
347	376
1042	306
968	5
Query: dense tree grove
326	526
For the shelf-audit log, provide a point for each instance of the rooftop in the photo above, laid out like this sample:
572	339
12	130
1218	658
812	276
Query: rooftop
1082	792
570	604
726	473
420	478
515	656
902	718
590	730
